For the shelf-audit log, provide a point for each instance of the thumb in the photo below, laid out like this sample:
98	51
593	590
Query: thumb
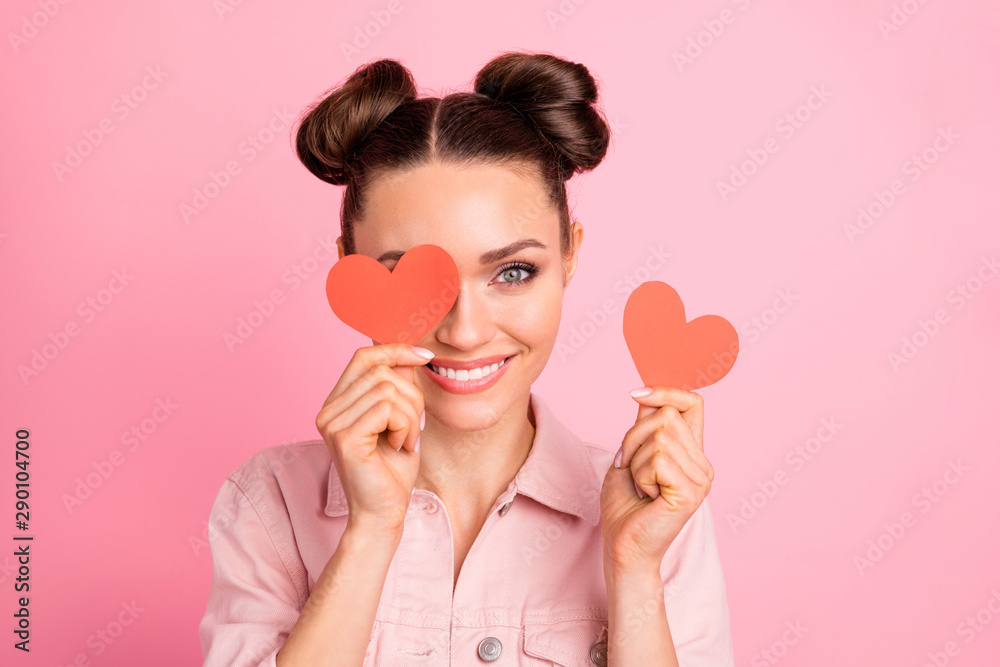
406	372
644	410
619	482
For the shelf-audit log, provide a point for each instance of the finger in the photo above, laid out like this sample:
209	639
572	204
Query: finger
676	428
689	404
364	358
408	390
662	475
378	417
391	390
375	375
665	445
646	426
402	428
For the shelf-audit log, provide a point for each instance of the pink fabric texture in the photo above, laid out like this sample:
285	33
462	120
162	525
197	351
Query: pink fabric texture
533	580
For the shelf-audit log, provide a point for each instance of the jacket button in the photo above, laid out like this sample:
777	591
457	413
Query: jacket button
489	649
503	510
599	654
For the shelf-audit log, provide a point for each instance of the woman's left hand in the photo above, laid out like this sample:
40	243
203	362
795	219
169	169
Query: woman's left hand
663	456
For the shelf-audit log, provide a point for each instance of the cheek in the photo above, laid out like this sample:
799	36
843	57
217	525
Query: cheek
536	317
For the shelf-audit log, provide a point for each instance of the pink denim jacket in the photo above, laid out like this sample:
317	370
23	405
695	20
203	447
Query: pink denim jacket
530	592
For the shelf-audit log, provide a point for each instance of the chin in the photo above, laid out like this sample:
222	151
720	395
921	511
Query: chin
472	412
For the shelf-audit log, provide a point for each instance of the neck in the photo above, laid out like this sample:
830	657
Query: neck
472	468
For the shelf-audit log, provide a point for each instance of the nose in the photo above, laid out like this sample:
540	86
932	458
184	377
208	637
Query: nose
469	323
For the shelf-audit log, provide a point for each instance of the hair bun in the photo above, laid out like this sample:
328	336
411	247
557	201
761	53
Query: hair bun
333	130
558	98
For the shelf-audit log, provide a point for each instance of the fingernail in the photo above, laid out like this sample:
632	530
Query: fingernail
416	448
423	420
618	458
640	392
638	490
423	352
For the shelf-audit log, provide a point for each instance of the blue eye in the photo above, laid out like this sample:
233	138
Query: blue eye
518	269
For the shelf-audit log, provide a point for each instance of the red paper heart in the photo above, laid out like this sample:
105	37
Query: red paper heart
398	306
669	351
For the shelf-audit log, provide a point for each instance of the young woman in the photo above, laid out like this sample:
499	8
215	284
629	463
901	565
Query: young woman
500	536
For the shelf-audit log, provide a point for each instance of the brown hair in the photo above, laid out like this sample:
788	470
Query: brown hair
528	110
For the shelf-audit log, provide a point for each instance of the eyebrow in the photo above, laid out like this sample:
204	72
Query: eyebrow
488	257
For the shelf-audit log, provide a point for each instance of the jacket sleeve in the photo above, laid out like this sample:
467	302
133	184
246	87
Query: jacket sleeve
254	600
695	595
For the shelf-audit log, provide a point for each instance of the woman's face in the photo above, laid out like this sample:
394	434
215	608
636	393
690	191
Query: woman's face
504	238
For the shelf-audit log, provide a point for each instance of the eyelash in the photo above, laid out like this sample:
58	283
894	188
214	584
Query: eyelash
524	266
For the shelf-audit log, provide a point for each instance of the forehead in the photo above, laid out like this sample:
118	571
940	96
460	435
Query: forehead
462	209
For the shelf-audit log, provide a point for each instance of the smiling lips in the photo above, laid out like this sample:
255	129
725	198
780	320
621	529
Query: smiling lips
463	374
467	377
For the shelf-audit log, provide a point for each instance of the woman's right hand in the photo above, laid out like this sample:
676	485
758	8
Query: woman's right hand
375	410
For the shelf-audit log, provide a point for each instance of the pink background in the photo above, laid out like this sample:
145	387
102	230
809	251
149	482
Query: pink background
822	353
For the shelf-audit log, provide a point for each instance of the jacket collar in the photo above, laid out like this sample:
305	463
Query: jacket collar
557	473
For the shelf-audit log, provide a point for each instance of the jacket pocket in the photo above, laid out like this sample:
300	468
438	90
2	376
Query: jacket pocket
575	643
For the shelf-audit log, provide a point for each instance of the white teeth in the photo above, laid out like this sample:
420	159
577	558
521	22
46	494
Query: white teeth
464	375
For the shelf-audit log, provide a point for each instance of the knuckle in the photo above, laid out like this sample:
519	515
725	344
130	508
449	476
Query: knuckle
386	388
669	415
334	439
659	460
379	370
380	354
629	435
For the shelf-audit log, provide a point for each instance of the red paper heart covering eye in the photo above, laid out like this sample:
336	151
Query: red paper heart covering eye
398	306
669	351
